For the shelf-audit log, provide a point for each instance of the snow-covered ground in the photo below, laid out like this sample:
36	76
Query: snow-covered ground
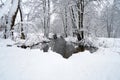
21	64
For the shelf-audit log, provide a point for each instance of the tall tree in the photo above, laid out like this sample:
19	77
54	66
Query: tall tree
80	7
12	17
110	18
46	22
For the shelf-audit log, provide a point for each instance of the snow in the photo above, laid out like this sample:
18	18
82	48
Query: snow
12	11
13	7
4	10
26	64
109	43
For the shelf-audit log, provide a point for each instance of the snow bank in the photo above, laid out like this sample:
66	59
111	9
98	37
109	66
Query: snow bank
109	42
100	42
21	64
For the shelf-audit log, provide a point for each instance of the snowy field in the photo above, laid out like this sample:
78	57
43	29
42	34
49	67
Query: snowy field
21	64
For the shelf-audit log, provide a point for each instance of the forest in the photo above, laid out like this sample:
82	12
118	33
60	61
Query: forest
37	33
48	19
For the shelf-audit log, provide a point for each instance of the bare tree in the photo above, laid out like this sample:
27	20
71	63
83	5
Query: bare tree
46	22
12	17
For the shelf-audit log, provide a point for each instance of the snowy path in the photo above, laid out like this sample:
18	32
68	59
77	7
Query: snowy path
20	64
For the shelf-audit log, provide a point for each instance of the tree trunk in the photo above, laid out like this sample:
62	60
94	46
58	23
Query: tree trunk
65	29
5	33
80	33
46	22
80	6
82	15
21	17
73	20
13	22
48	19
